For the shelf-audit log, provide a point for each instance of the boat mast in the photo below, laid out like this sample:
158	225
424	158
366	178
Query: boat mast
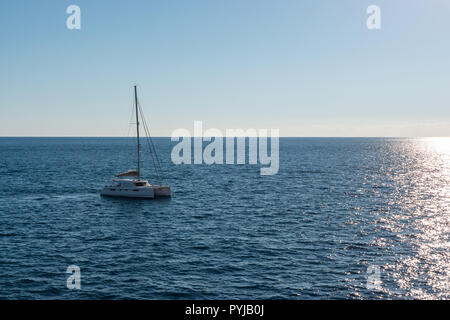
137	131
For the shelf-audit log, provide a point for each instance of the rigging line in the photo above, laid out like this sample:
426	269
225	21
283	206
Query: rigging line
152	154
154	150
149	137
130	123
151	147
131	119
153	157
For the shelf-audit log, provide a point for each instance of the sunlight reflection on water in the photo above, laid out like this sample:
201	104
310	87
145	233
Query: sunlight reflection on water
423	192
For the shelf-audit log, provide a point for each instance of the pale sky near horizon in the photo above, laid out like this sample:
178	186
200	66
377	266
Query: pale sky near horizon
309	68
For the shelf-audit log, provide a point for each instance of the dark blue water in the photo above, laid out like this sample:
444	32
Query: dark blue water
336	208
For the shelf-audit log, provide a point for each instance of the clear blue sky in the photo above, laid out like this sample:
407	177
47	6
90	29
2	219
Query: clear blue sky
309	68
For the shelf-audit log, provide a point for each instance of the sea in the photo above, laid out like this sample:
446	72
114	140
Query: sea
344	218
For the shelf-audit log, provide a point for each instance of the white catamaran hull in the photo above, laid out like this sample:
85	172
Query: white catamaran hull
162	191
145	193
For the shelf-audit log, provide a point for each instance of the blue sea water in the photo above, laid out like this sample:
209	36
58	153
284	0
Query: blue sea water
339	213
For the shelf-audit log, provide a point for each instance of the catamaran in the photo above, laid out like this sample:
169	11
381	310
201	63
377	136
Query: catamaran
130	183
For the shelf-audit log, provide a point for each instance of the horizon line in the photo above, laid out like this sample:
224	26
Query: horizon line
404	137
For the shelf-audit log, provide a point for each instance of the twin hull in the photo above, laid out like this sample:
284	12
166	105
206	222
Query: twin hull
143	192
